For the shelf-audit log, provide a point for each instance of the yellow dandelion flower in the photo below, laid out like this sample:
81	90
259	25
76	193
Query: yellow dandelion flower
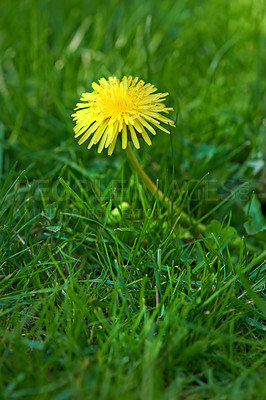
127	107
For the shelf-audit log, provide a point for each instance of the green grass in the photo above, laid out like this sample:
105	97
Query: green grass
104	294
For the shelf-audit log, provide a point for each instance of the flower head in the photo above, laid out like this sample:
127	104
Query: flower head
125	107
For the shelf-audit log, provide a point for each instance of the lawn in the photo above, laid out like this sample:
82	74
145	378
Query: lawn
109	291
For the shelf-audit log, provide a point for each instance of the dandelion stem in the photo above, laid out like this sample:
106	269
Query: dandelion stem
184	218
142	174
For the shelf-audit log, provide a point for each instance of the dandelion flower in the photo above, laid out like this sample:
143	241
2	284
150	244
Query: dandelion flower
126	107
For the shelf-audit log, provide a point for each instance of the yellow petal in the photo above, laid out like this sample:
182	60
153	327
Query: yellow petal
124	137
102	142
134	137
147	125
89	132
112	146
146	137
98	134
163	129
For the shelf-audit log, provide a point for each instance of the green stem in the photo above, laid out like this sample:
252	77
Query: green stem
184	218
141	173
